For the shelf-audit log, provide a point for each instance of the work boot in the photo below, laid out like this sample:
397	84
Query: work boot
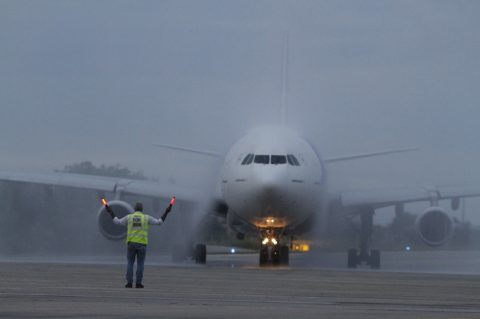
128	285
138	286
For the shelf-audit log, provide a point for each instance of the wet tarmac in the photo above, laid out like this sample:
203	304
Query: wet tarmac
233	286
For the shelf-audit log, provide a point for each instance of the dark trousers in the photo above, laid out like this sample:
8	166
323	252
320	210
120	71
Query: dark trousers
139	251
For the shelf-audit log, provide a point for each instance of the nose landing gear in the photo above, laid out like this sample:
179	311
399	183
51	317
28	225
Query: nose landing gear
271	252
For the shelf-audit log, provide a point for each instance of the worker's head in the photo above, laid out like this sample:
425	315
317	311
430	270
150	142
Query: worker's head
138	207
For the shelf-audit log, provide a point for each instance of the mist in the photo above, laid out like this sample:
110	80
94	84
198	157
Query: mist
102	81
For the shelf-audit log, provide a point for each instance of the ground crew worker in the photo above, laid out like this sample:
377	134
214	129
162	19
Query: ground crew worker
137	239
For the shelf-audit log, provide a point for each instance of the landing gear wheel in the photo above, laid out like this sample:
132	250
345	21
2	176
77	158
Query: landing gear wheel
270	250
375	259
263	259
200	254
284	255
366	255
275	255
352	258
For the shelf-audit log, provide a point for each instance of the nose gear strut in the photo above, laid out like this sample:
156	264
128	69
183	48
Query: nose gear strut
271	252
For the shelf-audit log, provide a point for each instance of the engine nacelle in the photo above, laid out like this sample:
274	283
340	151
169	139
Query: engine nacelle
105	223
434	226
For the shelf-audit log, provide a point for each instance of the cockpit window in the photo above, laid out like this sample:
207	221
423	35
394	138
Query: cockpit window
270	159
262	159
248	159
278	159
292	160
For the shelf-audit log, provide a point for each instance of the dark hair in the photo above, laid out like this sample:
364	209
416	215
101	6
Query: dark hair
138	207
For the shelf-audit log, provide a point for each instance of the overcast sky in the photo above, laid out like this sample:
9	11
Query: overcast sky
102	80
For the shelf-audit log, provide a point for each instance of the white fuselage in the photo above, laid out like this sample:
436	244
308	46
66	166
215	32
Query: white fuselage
278	185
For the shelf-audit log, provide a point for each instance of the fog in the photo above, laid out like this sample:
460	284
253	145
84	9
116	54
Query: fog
103	80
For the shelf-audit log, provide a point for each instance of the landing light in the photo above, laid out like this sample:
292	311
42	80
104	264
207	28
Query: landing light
265	241
408	248
274	241
233	251
104	202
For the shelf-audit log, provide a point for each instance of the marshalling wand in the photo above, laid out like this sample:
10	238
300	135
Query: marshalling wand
169	208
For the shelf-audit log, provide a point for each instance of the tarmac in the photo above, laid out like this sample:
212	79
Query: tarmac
233	286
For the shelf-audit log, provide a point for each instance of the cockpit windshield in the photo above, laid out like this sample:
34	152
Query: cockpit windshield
270	159
278	159
262	159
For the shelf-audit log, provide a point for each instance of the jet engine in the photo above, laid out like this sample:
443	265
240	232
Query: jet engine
105	223
434	226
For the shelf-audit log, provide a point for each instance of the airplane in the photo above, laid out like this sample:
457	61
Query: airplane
273	183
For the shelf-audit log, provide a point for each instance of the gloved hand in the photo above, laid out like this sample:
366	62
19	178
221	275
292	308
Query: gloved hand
110	211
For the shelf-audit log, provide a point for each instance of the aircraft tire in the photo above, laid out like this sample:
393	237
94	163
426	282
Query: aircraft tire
276	255
200	254
263	256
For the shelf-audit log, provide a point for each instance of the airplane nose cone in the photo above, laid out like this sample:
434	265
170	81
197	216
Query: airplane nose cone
267	184
270	184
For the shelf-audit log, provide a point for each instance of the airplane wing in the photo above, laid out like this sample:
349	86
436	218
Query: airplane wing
389	197
104	184
371	154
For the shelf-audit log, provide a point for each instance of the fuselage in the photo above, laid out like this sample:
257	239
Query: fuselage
272	178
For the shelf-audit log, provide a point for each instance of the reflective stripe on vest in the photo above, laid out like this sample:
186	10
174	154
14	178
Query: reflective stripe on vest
137	231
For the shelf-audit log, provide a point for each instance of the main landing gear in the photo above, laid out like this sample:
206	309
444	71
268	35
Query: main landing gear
271	252
365	255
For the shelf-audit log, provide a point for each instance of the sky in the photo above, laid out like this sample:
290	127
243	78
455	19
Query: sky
103	80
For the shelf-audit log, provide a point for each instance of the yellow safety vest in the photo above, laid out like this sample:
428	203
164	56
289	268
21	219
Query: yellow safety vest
137	231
